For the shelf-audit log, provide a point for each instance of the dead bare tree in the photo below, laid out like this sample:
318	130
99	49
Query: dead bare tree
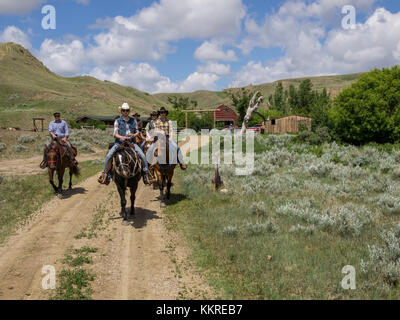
253	106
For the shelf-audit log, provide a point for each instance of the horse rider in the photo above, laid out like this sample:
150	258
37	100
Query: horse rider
125	127
150	126
165	126
58	129
138	121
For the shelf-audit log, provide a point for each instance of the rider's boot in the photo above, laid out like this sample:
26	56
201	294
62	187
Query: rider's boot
182	165
43	164
105	177
146	177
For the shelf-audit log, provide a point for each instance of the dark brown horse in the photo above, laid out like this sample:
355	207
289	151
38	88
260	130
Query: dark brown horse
58	160
126	172
164	171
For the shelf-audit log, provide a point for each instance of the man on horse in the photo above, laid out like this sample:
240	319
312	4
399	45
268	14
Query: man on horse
58	129
165	126
125	128
138	122
150	126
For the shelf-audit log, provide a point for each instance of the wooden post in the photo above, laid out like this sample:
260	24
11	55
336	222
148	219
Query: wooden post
215	119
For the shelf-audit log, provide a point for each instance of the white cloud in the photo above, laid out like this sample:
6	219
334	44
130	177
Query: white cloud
212	50
63	58
311	50
148	34
18	6
146	77
13	34
215	68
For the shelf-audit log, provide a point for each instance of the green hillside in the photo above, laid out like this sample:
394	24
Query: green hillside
211	99
28	89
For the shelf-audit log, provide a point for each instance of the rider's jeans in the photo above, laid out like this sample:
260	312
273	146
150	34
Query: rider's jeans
138	150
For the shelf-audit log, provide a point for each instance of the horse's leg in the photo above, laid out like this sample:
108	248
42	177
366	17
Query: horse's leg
161	186
70	179
169	183
121	191
51	178
133	197
60	174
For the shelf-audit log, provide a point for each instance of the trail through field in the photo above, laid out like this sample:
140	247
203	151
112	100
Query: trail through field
30	166
146	260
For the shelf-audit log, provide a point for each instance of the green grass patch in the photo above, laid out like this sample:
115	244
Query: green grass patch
74	284
287	230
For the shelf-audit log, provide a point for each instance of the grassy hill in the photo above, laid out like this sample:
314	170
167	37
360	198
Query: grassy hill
211	99
28	89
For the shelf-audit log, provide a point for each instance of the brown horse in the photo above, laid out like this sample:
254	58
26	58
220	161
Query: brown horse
163	172
58	160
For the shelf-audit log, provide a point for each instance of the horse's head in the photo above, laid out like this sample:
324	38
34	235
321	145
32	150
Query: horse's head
126	163
52	158
147	144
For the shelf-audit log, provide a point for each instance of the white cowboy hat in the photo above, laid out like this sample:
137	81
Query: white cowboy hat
124	106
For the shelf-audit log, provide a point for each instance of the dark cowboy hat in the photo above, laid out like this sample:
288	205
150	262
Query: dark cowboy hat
136	114
154	113
56	114
163	110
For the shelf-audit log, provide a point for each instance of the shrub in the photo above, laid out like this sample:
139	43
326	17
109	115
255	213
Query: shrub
308	137
3	146
258	209
346	220
369	109
384	261
26	139
231	230
320	169
302	229
19	148
388	204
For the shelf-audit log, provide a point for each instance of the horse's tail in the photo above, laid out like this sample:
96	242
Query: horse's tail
75	171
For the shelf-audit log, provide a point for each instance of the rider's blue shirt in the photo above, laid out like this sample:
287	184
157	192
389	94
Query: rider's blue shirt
60	129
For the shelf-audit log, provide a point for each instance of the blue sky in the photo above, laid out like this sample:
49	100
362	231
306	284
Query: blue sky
181	46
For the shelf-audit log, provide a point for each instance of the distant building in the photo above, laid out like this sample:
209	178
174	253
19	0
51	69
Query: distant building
288	124
226	115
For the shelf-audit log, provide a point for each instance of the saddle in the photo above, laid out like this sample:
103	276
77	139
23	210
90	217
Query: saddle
62	148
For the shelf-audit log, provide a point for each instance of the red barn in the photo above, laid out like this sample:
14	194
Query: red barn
226	115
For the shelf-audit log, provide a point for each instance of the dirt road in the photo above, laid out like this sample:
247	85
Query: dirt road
144	260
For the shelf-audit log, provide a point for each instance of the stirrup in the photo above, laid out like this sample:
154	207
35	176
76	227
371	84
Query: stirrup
102	179
183	166
145	178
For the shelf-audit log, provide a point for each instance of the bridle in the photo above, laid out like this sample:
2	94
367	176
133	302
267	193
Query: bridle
137	167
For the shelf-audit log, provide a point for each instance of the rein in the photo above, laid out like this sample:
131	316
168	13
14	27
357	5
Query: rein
137	168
